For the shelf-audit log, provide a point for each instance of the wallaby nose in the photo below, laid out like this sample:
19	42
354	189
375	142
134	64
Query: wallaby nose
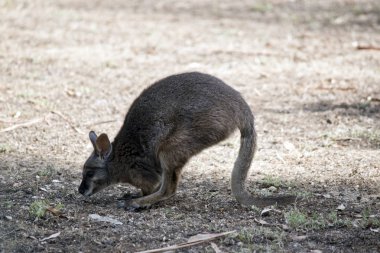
81	190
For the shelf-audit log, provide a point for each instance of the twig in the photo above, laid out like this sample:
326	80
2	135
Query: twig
8	121
71	124
374	99
25	124
12	231
187	244
346	139
368	47
100	122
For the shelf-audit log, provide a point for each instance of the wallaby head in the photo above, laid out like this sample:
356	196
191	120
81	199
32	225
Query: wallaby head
95	170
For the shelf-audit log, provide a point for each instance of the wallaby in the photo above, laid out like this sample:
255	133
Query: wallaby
171	121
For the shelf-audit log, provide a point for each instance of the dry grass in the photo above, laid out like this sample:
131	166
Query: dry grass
315	96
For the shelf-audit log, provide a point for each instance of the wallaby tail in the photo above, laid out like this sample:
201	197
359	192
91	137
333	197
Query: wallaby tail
243	162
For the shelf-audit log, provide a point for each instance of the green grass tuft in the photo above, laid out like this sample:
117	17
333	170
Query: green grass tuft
38	208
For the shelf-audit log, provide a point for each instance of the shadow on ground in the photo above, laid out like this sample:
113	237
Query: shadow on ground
367	109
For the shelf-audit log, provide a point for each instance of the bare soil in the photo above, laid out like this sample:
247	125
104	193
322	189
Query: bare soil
68	67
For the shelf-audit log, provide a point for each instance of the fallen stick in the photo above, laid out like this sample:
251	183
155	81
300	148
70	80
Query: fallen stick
12	231
25	124
369	47
68	121
188	244
374	99
100	122
346	139
7	121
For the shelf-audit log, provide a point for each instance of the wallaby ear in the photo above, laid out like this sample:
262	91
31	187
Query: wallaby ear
103	146
93	138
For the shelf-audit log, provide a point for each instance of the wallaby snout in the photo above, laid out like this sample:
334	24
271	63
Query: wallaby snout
93	182
81	189
85	189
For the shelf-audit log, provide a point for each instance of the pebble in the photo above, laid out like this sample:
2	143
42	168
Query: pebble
272	189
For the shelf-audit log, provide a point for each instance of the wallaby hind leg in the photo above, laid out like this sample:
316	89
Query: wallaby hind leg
168	185
174	184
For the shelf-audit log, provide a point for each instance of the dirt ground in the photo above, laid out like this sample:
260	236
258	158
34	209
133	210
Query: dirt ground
70	66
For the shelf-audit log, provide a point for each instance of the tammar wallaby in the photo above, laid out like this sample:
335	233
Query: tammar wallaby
171	121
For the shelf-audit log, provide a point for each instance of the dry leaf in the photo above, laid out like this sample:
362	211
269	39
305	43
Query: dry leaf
31	237
289	146
42	189
262	222
55	212
201	239
265	211
73	93
51	237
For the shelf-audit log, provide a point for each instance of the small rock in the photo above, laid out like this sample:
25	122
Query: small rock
299	237
289	146
285	227
8	217
97	217
272	189
341	207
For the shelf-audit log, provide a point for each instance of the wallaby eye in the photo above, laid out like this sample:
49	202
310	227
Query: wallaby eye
99	181
90	174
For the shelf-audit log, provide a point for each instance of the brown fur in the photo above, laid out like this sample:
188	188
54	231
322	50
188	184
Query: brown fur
170	122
